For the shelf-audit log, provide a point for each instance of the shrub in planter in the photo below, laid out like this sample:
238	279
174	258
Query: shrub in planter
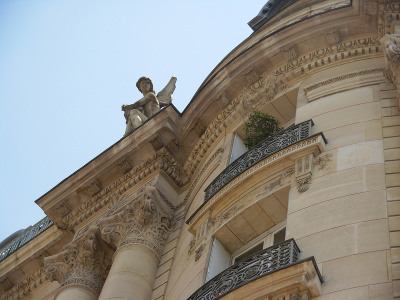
259	127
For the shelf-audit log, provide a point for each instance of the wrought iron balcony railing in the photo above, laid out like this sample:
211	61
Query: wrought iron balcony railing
269	146
259	265
29	234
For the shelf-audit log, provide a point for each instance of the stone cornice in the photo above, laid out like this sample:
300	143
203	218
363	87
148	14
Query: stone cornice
271	84
161	161
328	55
146	221
27	286
85	261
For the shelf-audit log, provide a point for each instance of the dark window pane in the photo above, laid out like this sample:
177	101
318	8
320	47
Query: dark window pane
249	253
279	237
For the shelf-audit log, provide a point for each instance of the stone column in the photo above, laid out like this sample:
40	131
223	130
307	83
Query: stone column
138	231
391	50
81	268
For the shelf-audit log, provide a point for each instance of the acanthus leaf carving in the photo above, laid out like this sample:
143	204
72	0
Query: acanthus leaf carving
145	220
84	261
391	48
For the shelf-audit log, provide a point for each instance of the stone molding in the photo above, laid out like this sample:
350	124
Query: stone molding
344	82
271	84
300	147
389	11
85	261
146	221
330	54
161	161
391	49
26	287
276	183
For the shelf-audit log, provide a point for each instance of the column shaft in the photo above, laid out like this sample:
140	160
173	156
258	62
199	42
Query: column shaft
132	274
72	292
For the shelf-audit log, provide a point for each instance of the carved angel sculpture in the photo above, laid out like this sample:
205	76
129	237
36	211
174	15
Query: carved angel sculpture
137	113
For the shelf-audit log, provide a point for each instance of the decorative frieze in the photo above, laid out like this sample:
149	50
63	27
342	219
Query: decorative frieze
341	78
162	160
290	53
389	11
63	209
26	287
125	165
94	187
223	101
333	53
7	284
333	36
323	161
146	221
252	76
85	261
391	49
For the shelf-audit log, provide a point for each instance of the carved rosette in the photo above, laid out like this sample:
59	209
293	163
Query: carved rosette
85	261
391	49
146	220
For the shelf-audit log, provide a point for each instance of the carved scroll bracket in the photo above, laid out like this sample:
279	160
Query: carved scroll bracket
85	261
304	169
391	49
145	220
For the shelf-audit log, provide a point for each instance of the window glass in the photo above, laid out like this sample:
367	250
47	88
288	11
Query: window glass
249	253
279	237
238	148
219	259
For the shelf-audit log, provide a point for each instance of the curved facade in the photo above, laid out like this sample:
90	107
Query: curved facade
179	209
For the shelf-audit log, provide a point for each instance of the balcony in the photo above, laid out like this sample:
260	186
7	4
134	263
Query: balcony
266	148
272	271
29	234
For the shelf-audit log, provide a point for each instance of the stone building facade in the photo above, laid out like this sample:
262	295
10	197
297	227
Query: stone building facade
178	209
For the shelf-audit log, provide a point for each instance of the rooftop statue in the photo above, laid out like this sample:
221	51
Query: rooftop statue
137	113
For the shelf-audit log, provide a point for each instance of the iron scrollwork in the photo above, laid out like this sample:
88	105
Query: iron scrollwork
260	264
269	146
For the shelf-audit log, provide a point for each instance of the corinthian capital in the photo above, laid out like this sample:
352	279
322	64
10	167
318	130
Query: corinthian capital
391	50
146	220
85	261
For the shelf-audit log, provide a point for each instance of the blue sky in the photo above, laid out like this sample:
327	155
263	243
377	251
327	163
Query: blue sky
67	66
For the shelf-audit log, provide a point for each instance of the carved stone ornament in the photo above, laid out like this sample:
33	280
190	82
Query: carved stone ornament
323	161
94	187
223	100
85	261
199	252
391	49
146	220
389	11
262	90
304	170
333	36
290	53
63	209
125	165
